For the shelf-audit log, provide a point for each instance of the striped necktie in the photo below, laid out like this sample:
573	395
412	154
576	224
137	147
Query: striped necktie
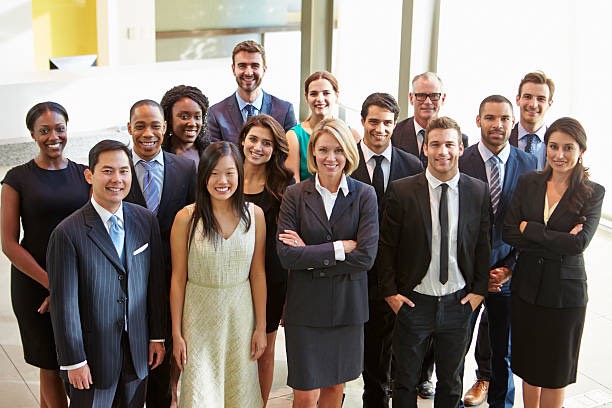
495	186
150	189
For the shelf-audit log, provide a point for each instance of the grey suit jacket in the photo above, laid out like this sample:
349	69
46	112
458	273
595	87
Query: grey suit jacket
322	292
91	288
225	119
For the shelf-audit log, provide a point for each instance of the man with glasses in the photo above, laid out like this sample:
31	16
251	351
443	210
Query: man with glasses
427	97
535	96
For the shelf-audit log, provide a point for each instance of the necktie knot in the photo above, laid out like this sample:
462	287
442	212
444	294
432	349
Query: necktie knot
378	158
117	234
250	110
148	166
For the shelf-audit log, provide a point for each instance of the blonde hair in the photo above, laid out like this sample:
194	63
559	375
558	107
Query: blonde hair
338	129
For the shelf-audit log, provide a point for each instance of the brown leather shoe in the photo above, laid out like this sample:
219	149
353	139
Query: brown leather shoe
477	394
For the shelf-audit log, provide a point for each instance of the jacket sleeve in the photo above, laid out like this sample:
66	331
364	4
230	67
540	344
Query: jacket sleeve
363	256
213	125
157	291
289	118
512	234
483	248
565	243
62	267
390	231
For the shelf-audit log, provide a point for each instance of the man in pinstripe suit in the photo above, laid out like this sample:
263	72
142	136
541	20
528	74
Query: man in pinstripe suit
107	287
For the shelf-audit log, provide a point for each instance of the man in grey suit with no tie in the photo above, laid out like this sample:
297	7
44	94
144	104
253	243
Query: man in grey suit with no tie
226	118
106	284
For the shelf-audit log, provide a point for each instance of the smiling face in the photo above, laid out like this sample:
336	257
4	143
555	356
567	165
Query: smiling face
329	156
249	70
186	120
495	122
49	132
562	152
533	103
321	97
223	180
258	145
427	109
443	149
378	127
110	179
147	127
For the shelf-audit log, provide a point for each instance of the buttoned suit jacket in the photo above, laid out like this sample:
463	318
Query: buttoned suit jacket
178	190
402	165
518	163
550	268
322	292
405	235
91	288
404	137
225	119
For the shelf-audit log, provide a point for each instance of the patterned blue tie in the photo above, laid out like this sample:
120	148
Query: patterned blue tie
250	111
150	190
530	145
495	183
117	234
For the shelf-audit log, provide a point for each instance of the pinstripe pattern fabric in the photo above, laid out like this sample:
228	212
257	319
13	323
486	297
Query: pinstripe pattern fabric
495	186
95	289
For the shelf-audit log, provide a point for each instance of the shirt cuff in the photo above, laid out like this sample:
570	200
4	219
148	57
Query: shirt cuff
157	341
339	251
74	366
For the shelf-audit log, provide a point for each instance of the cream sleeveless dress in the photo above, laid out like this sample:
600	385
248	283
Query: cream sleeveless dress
218	323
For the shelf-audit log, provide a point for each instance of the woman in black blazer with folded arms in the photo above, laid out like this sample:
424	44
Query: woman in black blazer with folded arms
328	232
552	218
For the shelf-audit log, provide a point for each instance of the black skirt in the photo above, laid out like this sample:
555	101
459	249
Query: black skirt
546	343
319	357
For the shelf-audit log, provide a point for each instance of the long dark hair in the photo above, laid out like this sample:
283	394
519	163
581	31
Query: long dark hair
203	206
170	98
278	176
578	190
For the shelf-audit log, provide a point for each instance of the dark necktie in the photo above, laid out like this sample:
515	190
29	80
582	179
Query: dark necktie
378	179
443	214
495	184
422	156
250	111
530	145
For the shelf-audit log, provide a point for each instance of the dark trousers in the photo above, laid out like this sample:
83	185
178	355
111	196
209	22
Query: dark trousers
159	394
428	364
127	392
501	388
445	321
377	354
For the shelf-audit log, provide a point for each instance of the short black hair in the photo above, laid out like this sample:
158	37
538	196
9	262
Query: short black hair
149	102
495	99
42	107
106	146
382	100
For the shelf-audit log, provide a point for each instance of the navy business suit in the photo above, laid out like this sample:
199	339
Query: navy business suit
92	291
322	292
225	119
404	256
377	331
178	190
501	391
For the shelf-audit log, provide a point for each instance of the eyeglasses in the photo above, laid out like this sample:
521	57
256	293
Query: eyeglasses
422	97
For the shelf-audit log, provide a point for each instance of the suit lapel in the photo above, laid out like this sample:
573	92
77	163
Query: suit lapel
342	202
135	195
266	104
235	115
131	236
510	177
413	144
167	189
465	197
514	136
423	199
313	200
99	235
361	173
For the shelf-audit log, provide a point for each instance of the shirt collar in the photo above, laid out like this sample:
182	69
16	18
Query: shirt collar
435	183
322	190
368	154
540	132
417	127
159	158
486	154
105	214
256	103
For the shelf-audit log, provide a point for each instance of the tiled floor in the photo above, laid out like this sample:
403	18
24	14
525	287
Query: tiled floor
19	387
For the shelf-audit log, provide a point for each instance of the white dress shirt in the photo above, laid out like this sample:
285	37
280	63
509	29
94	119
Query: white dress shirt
329	199
368	157
430	285
420	139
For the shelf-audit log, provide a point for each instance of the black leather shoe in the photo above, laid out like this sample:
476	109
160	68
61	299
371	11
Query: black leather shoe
426	390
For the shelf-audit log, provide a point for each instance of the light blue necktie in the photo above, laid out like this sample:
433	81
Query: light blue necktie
117	234
150	190
495	183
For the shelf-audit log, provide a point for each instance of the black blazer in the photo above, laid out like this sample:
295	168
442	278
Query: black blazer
90	288
550	268
322	292
179	187
404	137
225	119
405	235
518	163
